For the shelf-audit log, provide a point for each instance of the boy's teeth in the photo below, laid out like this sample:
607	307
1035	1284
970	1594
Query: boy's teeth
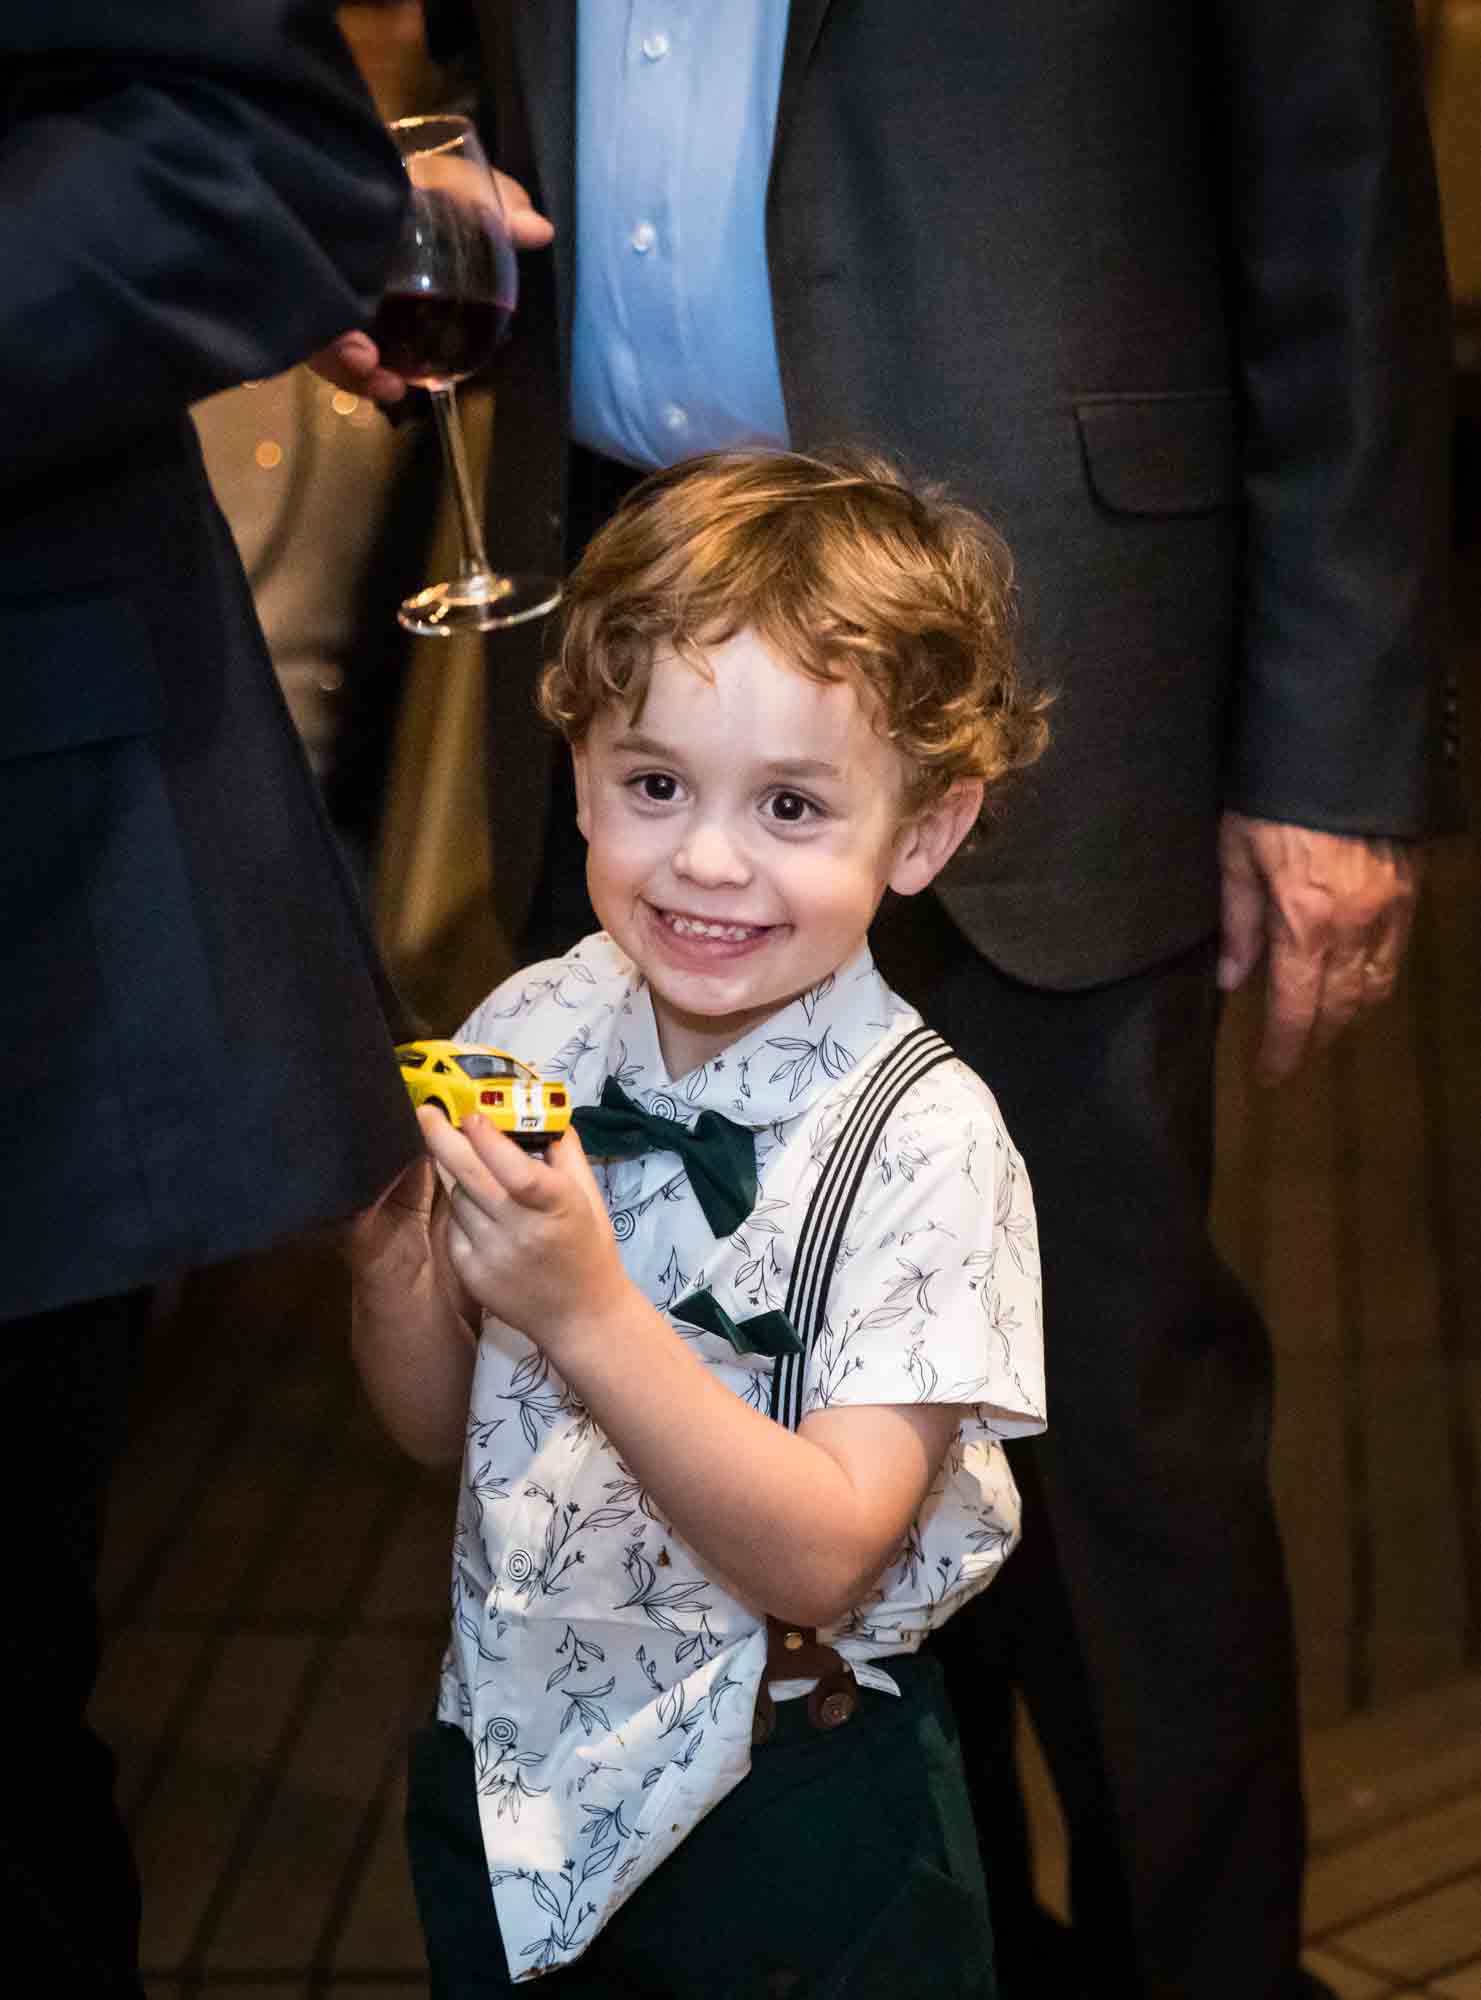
731	933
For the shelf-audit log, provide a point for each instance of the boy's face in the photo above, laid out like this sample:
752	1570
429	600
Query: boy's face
741	834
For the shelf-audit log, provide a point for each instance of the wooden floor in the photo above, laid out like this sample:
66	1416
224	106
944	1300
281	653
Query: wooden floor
276	1592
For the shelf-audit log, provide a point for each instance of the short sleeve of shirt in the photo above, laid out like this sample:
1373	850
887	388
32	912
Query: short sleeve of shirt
935	1296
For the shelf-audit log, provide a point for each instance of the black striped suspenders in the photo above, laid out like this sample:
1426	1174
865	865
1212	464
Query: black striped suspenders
821	1235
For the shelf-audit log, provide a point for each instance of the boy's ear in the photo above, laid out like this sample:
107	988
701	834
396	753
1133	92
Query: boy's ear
927	842
578	767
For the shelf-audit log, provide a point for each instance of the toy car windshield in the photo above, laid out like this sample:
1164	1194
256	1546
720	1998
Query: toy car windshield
481	1066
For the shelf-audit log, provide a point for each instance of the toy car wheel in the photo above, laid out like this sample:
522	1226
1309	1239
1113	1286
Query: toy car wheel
436	1104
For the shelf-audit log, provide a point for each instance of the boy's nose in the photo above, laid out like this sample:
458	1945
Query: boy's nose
708	854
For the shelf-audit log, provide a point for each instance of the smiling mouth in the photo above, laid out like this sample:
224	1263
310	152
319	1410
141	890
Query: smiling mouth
697	927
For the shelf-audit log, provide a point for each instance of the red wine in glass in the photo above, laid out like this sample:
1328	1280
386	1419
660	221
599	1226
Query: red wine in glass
430	338
449	295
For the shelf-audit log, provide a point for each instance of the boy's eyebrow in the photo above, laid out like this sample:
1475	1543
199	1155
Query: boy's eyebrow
636	743
804	767
644	746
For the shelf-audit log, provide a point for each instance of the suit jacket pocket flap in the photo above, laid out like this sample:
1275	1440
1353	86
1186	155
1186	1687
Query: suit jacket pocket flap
1169	454
75	673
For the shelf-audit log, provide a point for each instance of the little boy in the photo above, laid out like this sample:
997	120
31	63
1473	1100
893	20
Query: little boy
728	1372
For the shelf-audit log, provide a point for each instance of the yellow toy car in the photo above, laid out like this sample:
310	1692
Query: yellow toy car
459	1078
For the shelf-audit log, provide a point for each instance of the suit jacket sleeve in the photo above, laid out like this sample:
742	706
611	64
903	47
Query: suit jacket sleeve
189	196
1344	345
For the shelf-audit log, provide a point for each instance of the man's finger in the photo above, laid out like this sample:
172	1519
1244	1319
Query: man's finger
528	228
1389	939
1293	986
1344	980
1243	930
1363	964
353	363
1244	904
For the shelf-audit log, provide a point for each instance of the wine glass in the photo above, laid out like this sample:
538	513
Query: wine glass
447	302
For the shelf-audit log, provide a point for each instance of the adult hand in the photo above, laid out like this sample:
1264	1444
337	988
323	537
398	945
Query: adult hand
353	361
529	229
1330	914
388	1242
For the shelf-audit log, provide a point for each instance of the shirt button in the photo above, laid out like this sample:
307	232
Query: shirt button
643	238
675	419
656	45
519	1565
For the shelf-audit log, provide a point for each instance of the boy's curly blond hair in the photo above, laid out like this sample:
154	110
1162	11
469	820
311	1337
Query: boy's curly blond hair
841	569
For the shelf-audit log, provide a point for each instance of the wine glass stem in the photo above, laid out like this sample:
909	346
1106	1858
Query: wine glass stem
474	561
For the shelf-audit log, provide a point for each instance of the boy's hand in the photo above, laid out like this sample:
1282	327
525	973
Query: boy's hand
528	1238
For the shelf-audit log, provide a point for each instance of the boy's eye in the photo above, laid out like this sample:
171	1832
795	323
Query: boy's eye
660	786
791	807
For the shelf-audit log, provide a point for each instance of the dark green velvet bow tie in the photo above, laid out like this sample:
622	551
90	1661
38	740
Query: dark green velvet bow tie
719	1156
763	1333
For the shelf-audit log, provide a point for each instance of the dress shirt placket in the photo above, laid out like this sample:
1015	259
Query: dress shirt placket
657	100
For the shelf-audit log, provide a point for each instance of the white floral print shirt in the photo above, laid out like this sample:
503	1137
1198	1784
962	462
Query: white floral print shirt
605	1681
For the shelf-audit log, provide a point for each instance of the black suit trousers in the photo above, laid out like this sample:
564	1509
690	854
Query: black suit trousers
1145	1617
69	1894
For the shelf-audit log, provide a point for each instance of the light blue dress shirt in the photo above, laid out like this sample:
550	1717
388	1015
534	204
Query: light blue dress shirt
674	349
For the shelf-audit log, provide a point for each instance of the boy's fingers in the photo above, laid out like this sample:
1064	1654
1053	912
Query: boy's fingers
572	1155
568	1155
438	1135
525	1180
452	1151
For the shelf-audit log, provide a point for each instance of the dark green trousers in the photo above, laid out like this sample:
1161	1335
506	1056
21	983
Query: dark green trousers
845	1867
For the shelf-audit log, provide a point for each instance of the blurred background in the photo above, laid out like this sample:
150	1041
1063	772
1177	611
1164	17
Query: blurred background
276	1573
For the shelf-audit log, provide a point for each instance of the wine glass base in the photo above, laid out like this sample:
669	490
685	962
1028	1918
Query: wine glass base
479	603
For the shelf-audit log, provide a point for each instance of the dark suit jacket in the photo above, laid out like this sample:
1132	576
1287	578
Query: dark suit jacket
196	1057
1160	289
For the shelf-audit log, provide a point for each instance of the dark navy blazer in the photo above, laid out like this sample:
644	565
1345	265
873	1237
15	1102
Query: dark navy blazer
195	1055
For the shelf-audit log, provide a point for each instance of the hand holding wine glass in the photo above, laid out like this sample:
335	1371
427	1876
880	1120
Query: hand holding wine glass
353	362
448	299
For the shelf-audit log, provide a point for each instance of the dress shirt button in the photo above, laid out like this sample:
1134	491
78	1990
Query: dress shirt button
643	238
675	419
519	1565
656	45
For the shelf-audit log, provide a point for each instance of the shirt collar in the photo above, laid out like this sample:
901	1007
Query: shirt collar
771	1074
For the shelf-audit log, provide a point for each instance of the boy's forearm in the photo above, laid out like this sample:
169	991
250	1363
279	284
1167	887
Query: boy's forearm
415	1354
775	1516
